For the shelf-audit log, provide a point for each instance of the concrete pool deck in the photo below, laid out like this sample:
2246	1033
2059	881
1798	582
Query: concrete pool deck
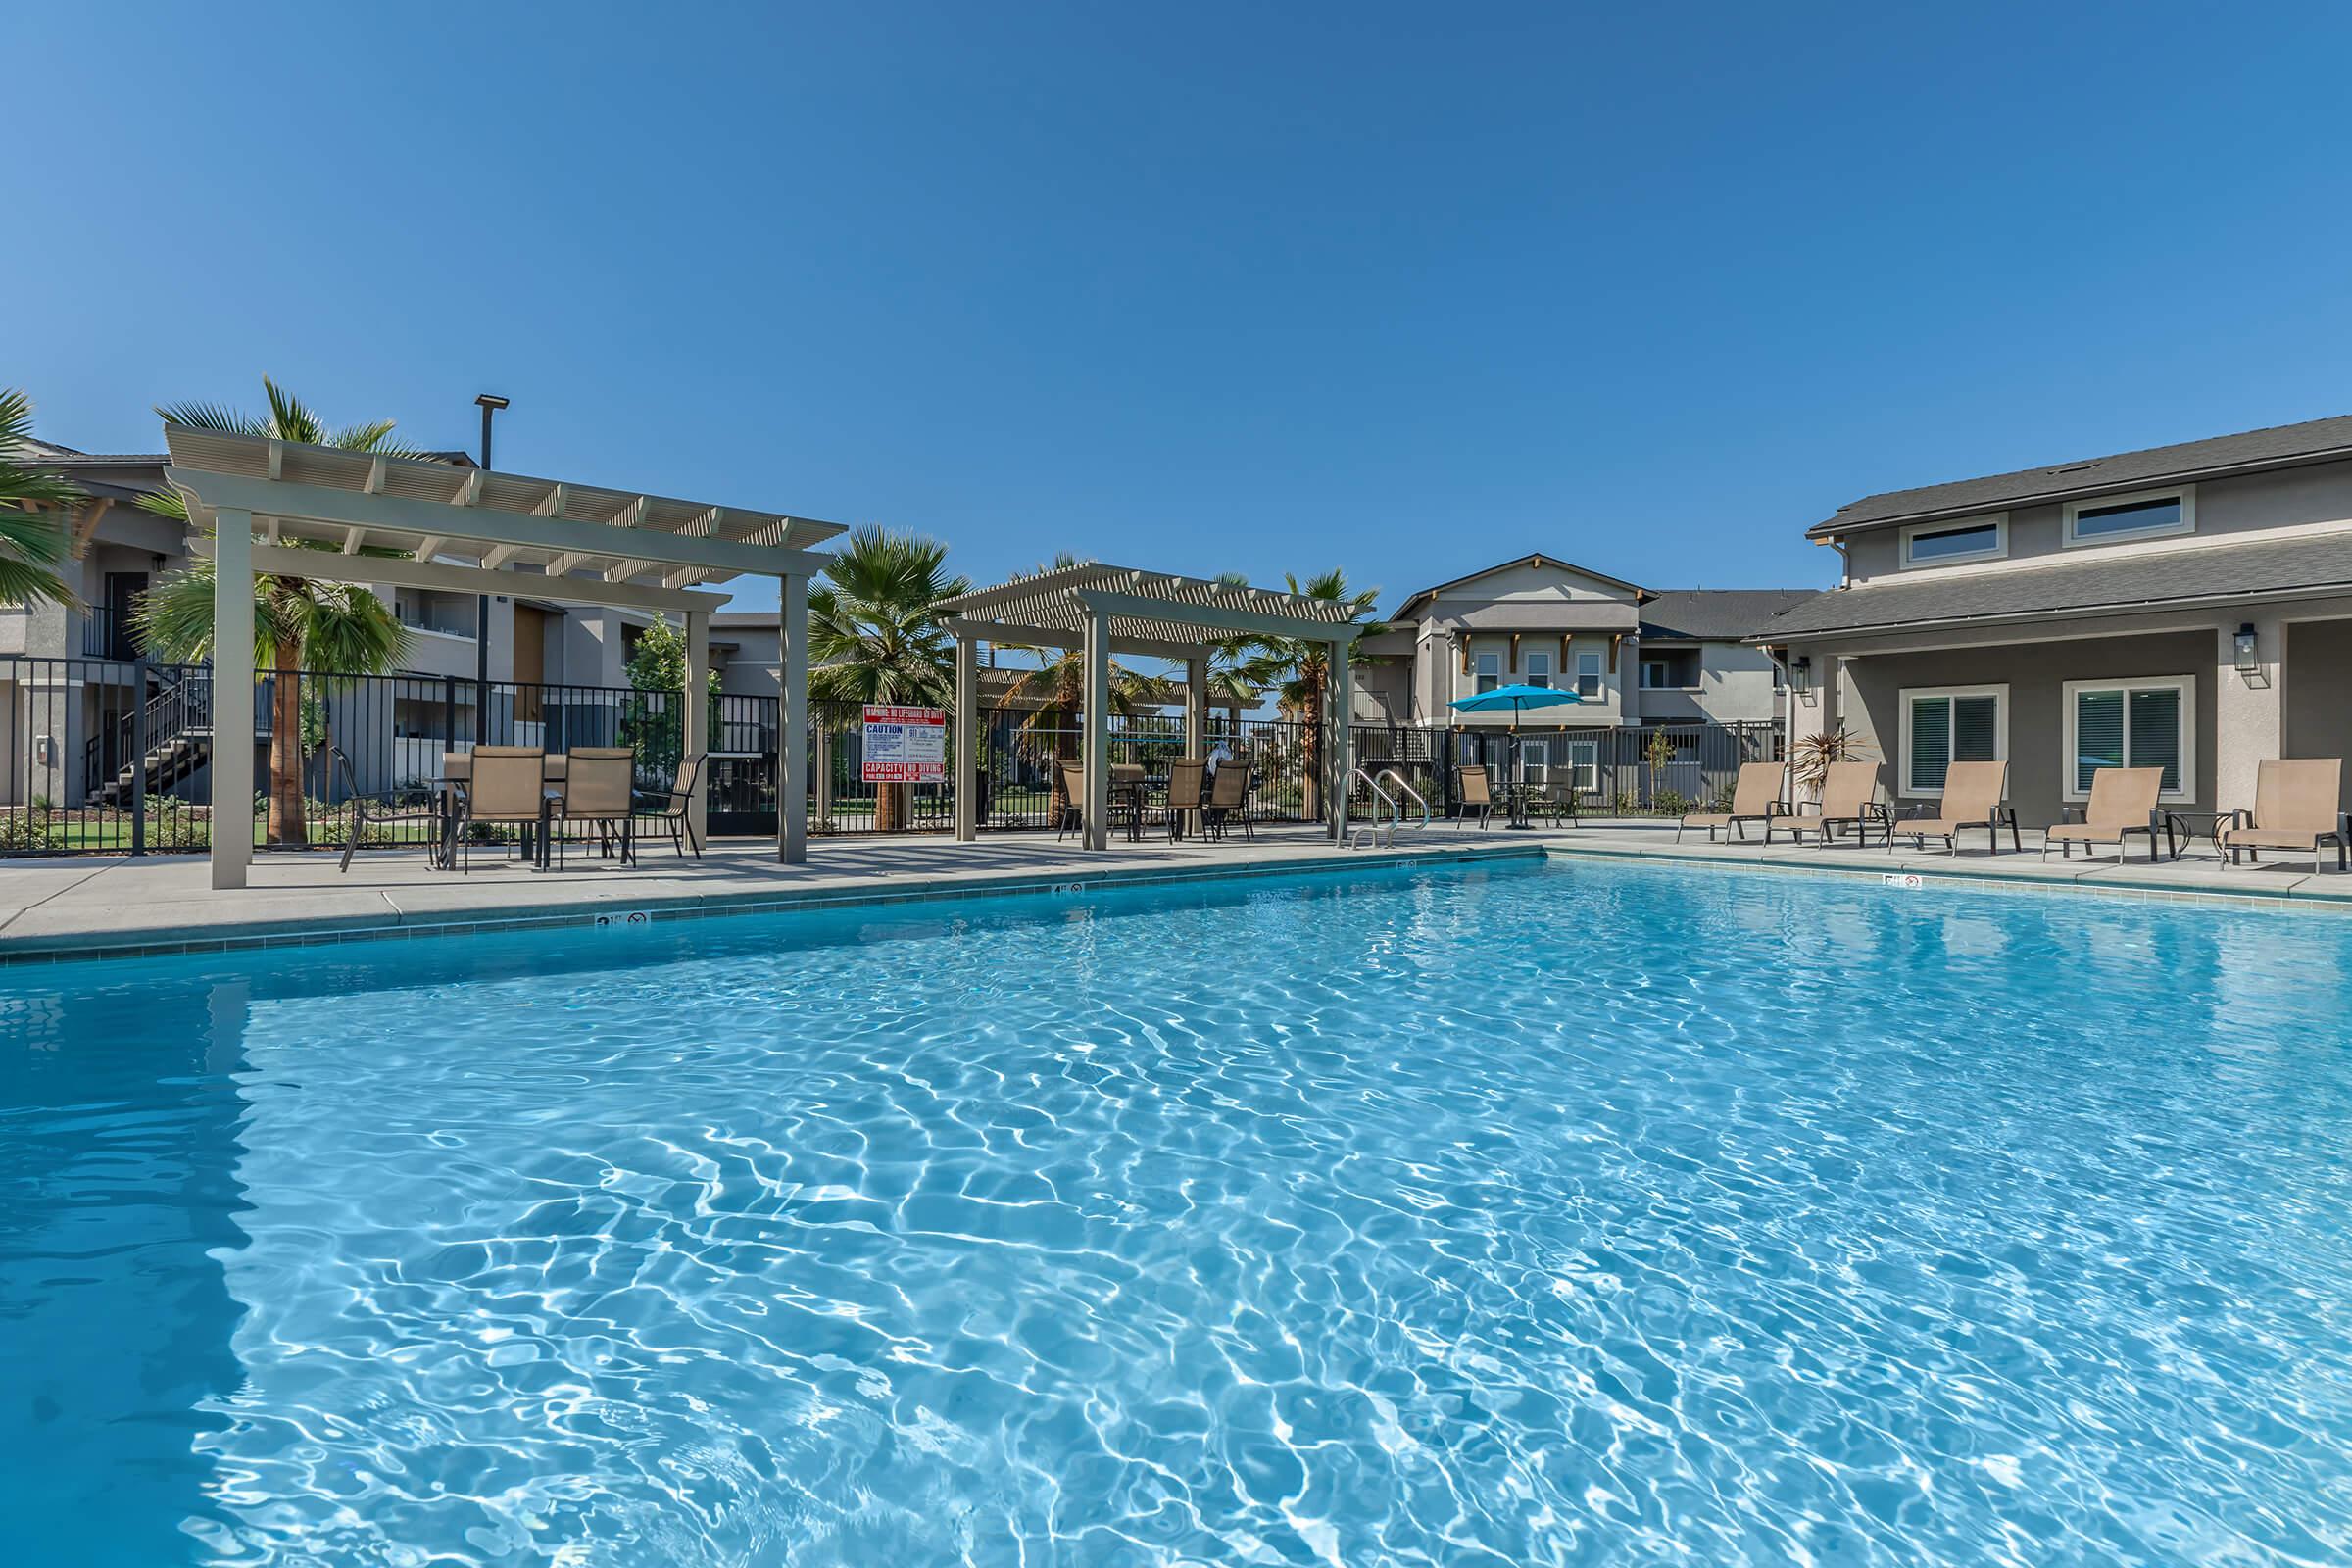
82	907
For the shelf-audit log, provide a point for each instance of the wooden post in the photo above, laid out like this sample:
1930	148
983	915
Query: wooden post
792	741
232	698
966	750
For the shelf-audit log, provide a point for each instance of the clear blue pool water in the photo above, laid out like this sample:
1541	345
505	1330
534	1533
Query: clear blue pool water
1548	1215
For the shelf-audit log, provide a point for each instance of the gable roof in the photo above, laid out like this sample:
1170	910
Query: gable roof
1716	615
1539	558
2278	446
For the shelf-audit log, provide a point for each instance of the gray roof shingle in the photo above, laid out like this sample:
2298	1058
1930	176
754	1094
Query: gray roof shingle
2126	581
2278	446
1721	615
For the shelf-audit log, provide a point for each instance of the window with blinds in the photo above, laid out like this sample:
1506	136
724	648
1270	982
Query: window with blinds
2140	724
1943	727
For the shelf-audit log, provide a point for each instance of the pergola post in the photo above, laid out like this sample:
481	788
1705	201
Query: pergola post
1196	706
232	698
1341	715
1098	730
792	738
965	755
696	730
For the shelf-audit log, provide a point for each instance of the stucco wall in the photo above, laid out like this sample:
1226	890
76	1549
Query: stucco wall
2036	674
2319	689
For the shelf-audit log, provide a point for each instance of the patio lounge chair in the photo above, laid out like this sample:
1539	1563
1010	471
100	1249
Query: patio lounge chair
1476	794
383	809
2296	802
1755	797
508	786
1972	798
1229	798
2123	802
1850	800
599	789
673	810
1187	776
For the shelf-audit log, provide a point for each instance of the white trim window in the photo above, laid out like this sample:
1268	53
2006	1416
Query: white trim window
2131	723
1656	676
2149	515
1588	675
1946	724
1488	671
1584	763
1956	539
1539	670
1535	752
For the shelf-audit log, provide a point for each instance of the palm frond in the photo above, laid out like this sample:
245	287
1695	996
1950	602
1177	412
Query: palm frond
212	417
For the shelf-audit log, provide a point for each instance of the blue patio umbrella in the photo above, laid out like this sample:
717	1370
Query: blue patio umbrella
1518	700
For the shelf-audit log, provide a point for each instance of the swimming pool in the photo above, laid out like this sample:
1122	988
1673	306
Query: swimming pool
1574	1214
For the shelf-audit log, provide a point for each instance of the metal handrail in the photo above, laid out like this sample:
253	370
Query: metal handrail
1406	785
1371	830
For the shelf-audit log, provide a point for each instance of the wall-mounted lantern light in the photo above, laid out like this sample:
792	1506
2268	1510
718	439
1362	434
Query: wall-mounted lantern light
2249	654
1801	673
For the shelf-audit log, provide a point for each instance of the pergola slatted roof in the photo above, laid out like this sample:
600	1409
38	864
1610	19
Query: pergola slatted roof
1151	612
304	483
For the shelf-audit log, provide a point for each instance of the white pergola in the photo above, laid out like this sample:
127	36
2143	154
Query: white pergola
1098	610
270	504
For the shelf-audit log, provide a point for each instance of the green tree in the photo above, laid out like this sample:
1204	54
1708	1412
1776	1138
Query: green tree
33	542
657	663
333	628
1299	672
876	633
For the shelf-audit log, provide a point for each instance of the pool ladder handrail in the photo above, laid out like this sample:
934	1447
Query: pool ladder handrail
1369	834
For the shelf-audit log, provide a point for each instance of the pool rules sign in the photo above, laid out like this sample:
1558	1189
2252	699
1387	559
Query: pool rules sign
905	744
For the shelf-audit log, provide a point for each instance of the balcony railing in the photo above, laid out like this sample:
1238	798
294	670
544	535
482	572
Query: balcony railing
108	633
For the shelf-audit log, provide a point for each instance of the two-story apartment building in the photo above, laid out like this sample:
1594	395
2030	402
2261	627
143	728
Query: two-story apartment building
1634	656
2185	606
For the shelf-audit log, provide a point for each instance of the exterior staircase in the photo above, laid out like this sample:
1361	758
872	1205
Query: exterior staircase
175	723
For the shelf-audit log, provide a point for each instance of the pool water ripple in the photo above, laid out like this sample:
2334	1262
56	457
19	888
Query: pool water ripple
1587	1215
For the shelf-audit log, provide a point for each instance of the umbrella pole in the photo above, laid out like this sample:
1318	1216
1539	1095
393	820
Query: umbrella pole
1519	778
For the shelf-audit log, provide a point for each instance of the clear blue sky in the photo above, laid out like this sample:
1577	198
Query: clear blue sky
1406	288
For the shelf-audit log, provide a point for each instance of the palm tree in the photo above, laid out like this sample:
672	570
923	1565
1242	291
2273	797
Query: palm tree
1297	672
32	543
875	633
338	628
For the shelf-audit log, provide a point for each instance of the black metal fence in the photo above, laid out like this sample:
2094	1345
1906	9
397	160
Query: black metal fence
111	756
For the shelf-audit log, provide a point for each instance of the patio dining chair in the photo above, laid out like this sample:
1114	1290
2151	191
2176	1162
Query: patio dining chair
1229	800
599	789
383	809
1474	796
1072	818
509	788
673	808
1185	796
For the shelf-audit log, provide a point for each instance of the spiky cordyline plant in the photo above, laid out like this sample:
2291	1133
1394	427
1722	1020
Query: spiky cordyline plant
329	628
32	543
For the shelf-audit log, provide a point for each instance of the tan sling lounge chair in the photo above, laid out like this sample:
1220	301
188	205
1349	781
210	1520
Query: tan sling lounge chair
1229	798
2123	802
2296	801
1972	798
1849	799
1755	797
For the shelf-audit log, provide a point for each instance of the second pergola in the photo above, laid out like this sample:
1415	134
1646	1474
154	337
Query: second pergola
1097	610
